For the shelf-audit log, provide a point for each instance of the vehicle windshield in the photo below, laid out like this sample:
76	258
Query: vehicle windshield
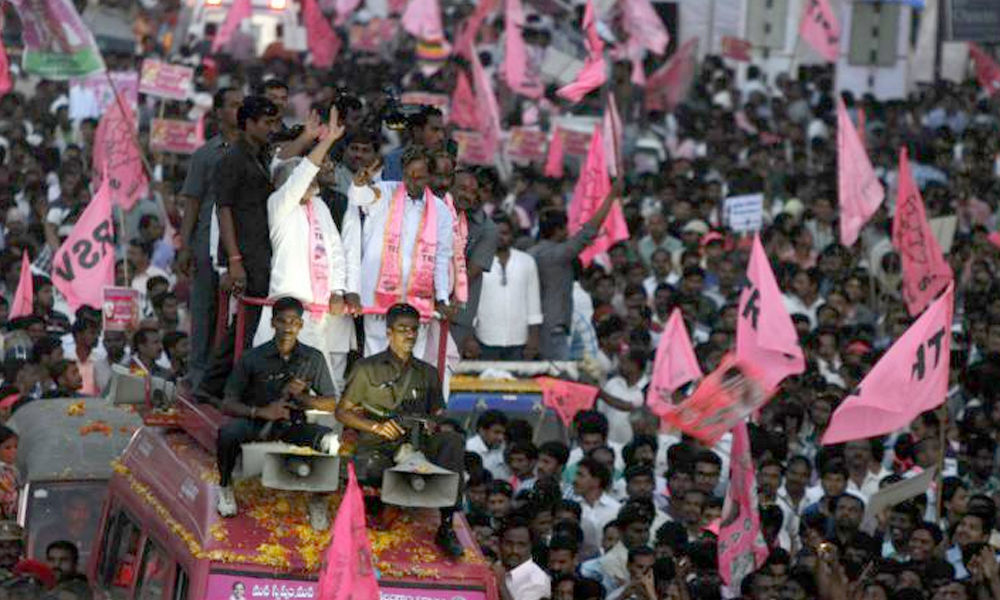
67	510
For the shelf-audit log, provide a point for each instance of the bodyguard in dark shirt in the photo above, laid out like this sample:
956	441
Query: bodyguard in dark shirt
267	394
383	390
243	186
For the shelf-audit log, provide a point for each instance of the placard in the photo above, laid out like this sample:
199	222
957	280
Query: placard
736	48
470	148
371	36
165	80
174	135
90	97
121	308
896	493
744	213
526	145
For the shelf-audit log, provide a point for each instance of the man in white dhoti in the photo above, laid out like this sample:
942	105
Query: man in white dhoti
406	247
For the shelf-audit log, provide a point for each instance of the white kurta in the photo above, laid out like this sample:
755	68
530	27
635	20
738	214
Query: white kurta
291	244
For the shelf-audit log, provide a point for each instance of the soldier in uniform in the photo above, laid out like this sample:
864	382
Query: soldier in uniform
383	393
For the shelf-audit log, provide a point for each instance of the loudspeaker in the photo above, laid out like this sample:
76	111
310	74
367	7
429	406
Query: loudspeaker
417	482
301	472
128	388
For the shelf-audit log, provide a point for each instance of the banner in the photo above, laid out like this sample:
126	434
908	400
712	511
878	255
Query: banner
174	135
57	44
85	262
526	145
566	398
725	397
164	80
471	149
120	308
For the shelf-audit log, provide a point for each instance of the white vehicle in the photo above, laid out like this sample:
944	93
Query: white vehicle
271	21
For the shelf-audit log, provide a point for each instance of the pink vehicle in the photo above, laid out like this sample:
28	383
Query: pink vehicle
161	538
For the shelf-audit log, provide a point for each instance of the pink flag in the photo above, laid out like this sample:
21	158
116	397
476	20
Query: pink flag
488	110
323	41
820	29
594	71
910	378
925	271
765	335
674	366
24	297
465	40
85	262
554	158
240	10
612	126
347	568
345	8
6	83
566	398
591	189
116	150
859	191
741	545
464	111
987	69
644	27
668	86
422	19
516	71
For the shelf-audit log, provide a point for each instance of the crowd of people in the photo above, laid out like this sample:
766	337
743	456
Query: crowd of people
318	185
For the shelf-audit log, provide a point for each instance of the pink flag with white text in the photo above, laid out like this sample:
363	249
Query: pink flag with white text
554	156
487	108
925	270
348	573
516	72
324	44
116	150
612	126
910	378
85	262
820	29
859	191
241	9
669	85
675	365
24	297
765	335
464	110
741	545
588	194
594	71
422	19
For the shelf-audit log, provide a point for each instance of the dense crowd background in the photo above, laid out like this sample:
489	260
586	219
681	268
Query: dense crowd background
625	509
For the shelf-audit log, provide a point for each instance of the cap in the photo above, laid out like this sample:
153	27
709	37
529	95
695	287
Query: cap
10	531
712	236
36	570
695	226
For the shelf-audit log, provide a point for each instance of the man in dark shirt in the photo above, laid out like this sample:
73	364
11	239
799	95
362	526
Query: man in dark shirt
244	185
56	323
391	386
267	396
198	195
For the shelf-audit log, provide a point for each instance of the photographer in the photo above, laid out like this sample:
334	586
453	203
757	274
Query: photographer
267	394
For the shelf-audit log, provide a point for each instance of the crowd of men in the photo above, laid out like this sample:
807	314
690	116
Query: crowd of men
302	190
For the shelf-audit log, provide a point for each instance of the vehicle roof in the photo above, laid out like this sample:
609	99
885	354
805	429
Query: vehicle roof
71	438
178	479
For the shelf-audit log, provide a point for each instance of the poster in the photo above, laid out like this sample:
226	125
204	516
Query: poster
403	593
174	135
247	587
471	150
736	48
57	44
744	213
526	145
121	308
90	97
165	80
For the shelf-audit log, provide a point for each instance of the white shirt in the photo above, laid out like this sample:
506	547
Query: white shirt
140	280
373	232
290	241
510	301
528	581
619	428
594	518
794	305
870	483
492	457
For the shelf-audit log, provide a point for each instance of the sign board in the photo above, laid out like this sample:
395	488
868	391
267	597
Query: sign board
973	21
744	213
471	150
526	145
896	493
165	80
121	308
174	135
90	97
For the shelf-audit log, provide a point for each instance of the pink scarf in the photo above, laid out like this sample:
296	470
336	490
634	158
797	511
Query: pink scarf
389	290
460	238
319	266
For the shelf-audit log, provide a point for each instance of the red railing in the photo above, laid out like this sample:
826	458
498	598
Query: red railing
222	322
